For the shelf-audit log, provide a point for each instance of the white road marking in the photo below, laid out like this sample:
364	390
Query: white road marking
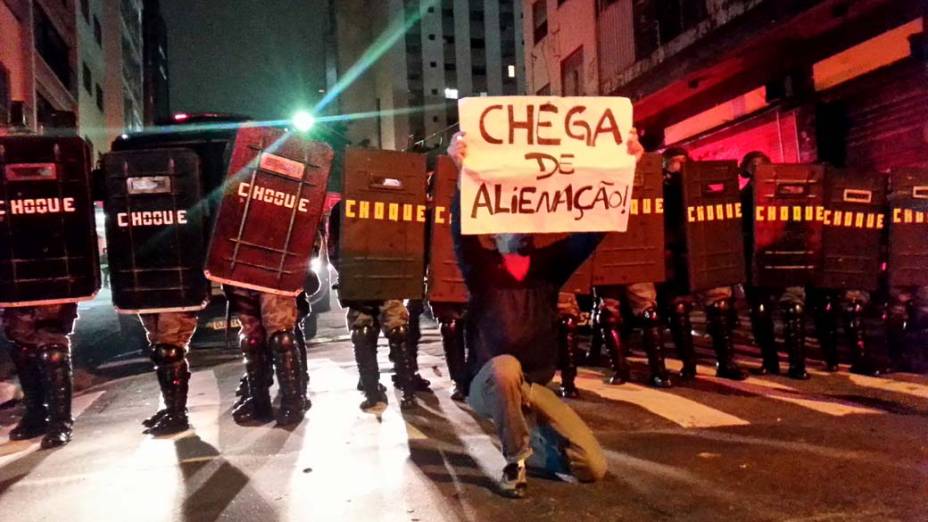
883	383
679	410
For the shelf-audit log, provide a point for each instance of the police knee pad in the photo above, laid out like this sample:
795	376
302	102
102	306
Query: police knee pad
282	341
449	328
252	343
397	334
364	334
649	317
568	323
855	307
55	354
793	310
165	354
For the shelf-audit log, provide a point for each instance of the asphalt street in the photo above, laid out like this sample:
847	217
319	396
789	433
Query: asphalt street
836	447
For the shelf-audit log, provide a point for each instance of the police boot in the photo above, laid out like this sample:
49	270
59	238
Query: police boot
452	341
897	329
293	400
413	336
681	329
612	338
35	419
720	316
652	338
173	377
256	406
567	357
826	329
403	366
863	363
304	360
364	340
56	379
764	336
794	335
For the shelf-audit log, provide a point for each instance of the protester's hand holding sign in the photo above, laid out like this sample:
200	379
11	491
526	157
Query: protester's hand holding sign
539	164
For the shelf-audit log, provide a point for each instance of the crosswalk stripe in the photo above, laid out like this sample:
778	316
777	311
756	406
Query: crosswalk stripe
679	410
781	392
11	451
885	384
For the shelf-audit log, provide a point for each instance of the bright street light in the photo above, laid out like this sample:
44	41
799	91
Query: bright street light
303	121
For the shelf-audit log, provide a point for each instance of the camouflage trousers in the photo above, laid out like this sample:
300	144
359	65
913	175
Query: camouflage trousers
171	328
706	298
383	315
567	305
261	313
902	300
640	297
34	326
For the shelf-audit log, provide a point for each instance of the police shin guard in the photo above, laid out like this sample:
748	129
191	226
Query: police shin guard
287	362
256	406
35	419
452	341
652	337
897	333
612	338
826	329
567	357
173	373
863	362
304	360
413	336
56	379
721	321
364	340
681	329
594	357
794	335
403	366
764	337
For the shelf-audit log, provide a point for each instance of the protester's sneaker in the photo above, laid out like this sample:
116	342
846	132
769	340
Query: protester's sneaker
513	484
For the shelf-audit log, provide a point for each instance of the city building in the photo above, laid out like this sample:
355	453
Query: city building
38	59
403	64
81	56
827	80
155	84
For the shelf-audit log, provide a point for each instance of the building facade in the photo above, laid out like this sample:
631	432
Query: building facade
826	80
425	55
155	83
38	59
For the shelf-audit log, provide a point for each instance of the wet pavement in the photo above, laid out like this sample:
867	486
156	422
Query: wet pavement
836	447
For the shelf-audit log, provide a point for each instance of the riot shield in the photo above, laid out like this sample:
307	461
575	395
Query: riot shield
445	282
854	220
382	237
788	219
908	227
156	230
637	255
269	215
48	242
714	236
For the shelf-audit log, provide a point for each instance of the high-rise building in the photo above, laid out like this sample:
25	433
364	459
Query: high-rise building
38	59
91	74
404	64
122	46
826	80
155	87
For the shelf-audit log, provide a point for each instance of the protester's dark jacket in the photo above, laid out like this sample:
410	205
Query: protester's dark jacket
517	318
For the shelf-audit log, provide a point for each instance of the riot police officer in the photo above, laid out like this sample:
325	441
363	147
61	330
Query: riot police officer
763	300
41	352
719	302
169	335
642	300
268	340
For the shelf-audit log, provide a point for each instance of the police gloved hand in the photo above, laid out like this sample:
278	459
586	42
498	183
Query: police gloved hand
634	146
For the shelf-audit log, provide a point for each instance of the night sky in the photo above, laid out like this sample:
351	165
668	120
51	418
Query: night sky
259	58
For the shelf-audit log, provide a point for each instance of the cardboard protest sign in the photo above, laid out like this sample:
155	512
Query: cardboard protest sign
546	164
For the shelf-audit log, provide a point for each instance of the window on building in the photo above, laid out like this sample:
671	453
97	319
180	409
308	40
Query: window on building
433	64
100	97
657	22
451	94
97	31
85	10
572	74
478	43
52	47
88	79
539	20
4	95
511	71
